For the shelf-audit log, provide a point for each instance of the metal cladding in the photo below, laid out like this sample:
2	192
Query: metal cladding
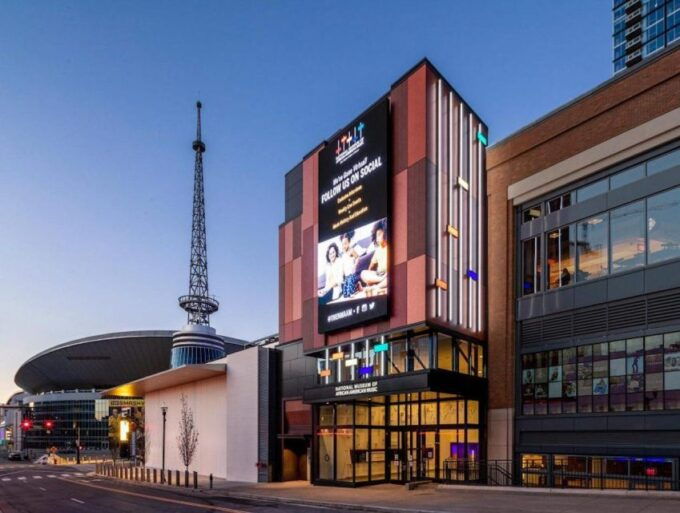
198	303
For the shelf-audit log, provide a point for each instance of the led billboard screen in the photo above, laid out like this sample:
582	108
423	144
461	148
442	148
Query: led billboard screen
354	243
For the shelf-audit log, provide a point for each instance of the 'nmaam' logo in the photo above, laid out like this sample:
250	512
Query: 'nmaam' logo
349	143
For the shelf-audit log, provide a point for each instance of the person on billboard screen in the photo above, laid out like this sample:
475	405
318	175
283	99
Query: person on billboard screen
375	277
350	255
334	275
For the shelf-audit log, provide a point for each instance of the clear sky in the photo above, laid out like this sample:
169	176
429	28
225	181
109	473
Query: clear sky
97	118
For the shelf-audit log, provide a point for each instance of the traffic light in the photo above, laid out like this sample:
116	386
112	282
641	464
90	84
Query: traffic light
49	424
26	424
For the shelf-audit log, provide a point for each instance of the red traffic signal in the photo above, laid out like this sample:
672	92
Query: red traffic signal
26	424
49	424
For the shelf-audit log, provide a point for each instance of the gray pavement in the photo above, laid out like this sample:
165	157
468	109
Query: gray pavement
30	488
62	489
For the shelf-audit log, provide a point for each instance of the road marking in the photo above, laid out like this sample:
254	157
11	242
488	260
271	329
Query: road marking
22	478
160	499
43	489
77	500
65	475
6	478
51	476
37	477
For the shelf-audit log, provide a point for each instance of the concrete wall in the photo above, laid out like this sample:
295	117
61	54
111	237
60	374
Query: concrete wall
242	416
207	400
226	416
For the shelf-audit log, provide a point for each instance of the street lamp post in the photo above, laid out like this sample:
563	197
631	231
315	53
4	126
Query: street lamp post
164	410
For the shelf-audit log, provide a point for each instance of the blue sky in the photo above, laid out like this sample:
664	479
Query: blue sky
97	118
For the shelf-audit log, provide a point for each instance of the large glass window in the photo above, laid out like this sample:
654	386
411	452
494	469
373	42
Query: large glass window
634	374
591	190
628	237
664	162
627	176
561	258
531	265
663	228
592	247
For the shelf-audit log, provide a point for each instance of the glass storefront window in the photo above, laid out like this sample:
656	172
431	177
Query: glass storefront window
663	229
628	237
531	213
635	374
592	237
397	359
561	258
420	351
444	352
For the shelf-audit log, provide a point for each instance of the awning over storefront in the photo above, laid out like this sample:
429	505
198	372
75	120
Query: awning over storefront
435	380
166	379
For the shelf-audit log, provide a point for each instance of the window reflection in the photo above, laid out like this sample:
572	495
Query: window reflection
663	228
592	248
531	265
561	259
592	190
628	237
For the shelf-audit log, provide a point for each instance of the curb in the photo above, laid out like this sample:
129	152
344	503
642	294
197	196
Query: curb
645	494
226	495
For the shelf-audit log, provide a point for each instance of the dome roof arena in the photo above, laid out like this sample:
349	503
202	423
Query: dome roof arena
101	361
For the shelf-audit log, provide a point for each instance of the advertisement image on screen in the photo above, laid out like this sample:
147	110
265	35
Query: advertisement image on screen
353	254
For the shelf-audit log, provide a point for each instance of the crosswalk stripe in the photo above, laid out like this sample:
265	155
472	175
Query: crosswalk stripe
6	478
37	477
65	475
22	478
51	476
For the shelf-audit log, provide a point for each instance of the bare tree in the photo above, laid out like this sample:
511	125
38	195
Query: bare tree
187	439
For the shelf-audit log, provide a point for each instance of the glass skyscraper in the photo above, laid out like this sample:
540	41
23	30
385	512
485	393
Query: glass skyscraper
641	28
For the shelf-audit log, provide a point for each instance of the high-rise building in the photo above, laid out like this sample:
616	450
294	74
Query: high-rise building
643	27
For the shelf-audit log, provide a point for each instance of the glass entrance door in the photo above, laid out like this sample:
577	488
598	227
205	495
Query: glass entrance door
413	455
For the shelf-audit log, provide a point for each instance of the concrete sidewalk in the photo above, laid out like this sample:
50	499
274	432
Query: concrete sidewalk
440	498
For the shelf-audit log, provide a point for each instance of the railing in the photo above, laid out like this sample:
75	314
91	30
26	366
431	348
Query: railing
505	473
483	472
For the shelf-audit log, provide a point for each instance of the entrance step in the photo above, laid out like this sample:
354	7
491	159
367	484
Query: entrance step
412	485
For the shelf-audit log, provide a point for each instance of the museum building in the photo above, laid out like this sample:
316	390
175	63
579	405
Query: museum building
382	265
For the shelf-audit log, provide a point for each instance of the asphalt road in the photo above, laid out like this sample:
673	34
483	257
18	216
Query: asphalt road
26	488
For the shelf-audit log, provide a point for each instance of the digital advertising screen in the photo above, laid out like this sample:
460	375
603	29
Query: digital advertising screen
353	254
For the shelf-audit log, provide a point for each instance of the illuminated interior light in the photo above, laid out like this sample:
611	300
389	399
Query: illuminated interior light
441	284
482	138
324	373
364	371
351	362
472	275
379	348
124	430
339	355
452	231
463	184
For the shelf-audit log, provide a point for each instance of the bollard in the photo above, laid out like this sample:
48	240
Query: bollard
169	477
154	476
211	479
186	478
177	481
195	479
135	473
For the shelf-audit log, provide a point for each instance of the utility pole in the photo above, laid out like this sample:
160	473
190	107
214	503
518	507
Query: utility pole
164	410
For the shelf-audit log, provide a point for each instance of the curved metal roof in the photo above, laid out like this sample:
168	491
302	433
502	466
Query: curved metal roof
101	361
